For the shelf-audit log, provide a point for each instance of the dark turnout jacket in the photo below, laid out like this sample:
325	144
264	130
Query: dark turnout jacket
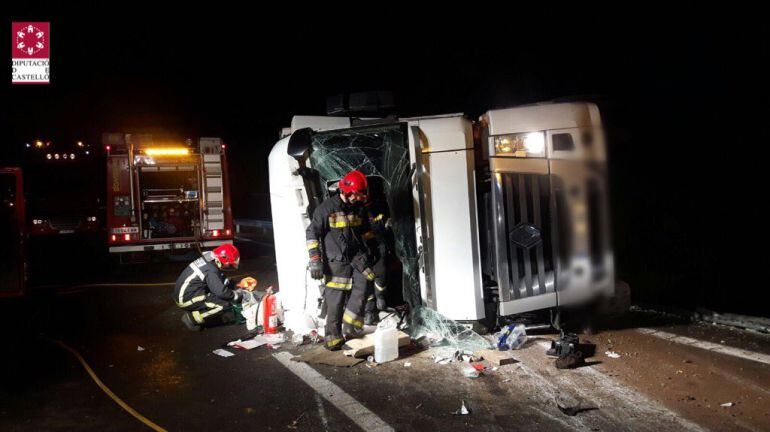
202	276
342	231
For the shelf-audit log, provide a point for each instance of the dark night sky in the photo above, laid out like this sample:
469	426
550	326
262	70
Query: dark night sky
684	100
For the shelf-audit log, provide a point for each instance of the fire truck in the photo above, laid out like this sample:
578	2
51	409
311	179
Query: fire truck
491	218
12	234
62	196
166	195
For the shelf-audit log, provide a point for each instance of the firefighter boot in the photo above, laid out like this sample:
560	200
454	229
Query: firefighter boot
350	331
189	322
371	318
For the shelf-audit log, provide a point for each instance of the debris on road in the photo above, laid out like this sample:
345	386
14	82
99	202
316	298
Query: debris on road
364	346
612	354
463	410
446	335
470	372
565	345
408	364
247	344
298	339
727	404
573	411
223	353
496	358
573	406
570	361
295	423
442	360
139	348
511	337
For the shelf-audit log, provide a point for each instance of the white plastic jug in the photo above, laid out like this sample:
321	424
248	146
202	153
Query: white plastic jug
385	344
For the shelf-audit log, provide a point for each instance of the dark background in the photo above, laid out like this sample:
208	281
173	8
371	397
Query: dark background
684	99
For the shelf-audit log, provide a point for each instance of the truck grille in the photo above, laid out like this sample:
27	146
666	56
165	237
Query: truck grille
526	200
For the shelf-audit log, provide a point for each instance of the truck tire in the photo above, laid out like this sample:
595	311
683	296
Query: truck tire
619	304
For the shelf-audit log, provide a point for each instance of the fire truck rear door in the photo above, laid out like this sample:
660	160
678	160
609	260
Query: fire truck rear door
213	187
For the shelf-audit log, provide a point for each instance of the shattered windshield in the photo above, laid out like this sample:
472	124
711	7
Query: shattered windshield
379	152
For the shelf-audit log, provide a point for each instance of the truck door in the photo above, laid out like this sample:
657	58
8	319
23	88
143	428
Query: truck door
422	227
12	233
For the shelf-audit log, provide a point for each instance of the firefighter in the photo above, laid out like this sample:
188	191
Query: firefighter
377	211
338	243
203	291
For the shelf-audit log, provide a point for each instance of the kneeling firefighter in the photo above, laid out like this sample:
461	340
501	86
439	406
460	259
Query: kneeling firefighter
203	291
339	241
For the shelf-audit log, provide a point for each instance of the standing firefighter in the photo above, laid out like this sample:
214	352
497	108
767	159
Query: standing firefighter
203	291
375	294
337	244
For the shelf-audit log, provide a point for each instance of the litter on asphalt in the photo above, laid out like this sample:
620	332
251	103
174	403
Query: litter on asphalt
463	410
612	354
223	353
470	372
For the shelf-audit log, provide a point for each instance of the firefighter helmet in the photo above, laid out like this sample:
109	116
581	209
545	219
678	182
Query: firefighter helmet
353	182
227	256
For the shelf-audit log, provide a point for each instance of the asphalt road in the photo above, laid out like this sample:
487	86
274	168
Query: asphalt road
177	382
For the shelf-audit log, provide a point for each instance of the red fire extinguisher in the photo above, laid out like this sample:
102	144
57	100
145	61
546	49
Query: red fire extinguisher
269	314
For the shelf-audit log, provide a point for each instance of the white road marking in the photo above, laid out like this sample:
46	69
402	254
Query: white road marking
620	407
709	346
356	412
322	411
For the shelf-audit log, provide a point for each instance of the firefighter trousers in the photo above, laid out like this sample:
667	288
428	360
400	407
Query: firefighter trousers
209	310
376	290
345	298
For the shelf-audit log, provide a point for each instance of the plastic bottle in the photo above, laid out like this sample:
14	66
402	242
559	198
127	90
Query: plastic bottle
518	337
512	337
385	344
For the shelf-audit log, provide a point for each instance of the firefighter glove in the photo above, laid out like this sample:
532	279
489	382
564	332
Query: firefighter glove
316	269
238	296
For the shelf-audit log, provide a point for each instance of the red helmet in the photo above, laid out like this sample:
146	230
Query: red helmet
227	256
354	181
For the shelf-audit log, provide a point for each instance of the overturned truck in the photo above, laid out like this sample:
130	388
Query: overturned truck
489	219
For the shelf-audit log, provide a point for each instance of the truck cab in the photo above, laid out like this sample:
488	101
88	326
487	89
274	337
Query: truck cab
166	195
490	219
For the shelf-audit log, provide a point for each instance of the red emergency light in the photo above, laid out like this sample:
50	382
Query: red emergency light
113	238
215	233
127	237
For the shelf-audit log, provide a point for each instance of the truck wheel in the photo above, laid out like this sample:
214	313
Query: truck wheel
618	304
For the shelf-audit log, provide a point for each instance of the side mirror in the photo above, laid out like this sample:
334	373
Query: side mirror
299	144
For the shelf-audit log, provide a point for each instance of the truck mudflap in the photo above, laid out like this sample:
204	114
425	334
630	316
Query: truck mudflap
168	246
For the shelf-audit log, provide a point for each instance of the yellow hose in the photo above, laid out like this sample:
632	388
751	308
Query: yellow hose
149	423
